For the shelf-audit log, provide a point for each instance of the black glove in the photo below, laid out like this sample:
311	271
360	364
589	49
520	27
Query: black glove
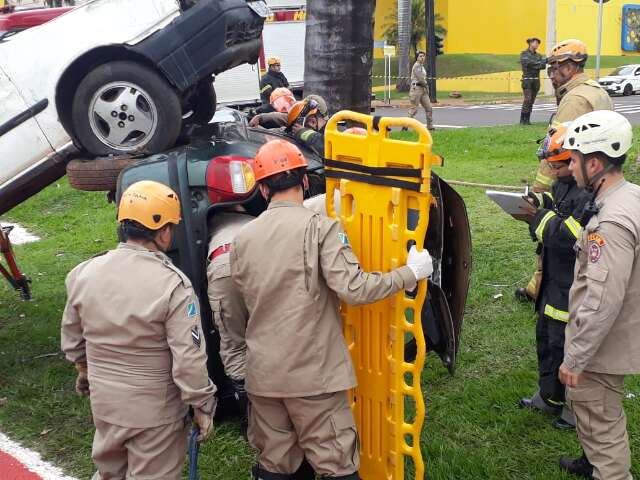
535	198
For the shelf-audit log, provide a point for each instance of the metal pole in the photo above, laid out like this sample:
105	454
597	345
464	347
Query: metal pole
551	39
600	12
385	79
431	48
389	77
387	74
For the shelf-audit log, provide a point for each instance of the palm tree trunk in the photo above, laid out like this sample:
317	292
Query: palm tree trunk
404	44
338	53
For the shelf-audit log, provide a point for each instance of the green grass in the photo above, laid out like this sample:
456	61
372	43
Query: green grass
463	64
473	429
468	97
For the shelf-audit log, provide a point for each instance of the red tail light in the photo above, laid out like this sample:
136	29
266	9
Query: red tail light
230	178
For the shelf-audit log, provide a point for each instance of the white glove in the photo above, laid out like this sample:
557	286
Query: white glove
420	263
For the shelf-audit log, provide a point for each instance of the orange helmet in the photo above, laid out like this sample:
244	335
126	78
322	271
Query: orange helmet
571	49
297	111
551	149
356	131
149	203
281	99
273	61
277	156
311	105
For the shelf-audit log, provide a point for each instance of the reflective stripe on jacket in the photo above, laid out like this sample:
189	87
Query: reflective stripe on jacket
557	227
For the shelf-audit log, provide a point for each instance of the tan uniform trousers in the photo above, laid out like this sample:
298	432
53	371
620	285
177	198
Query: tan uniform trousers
122	453
320	428
230	316
602	424
420	96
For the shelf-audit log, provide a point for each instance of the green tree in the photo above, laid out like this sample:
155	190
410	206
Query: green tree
418	26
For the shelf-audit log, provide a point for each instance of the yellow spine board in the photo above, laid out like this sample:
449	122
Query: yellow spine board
388	404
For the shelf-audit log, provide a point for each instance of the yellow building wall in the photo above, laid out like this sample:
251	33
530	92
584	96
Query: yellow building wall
579	19
492	26
384	9
502	26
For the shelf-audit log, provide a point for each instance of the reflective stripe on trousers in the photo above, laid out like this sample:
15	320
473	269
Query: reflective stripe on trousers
556	314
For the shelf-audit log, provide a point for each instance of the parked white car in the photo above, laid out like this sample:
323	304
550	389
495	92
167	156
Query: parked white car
623	80
114	77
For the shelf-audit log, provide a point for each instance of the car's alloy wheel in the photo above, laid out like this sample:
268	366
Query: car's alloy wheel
124	107
123	116
628	90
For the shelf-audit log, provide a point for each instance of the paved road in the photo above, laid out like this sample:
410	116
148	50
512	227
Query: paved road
504	114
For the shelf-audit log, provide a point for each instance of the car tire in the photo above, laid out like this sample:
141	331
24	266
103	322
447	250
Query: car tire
125	95
99	174
202	104
628	90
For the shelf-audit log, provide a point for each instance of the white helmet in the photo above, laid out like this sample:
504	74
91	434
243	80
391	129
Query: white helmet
600	131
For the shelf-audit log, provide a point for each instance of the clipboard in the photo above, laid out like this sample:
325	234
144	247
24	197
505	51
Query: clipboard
511	203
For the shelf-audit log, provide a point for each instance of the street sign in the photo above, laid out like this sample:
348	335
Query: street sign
390	50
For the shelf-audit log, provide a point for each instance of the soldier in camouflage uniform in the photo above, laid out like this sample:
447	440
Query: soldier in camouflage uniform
532	62
419	91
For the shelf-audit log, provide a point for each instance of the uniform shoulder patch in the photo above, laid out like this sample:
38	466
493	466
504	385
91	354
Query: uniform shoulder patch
597	238
195	336
343	238
192	309
596	242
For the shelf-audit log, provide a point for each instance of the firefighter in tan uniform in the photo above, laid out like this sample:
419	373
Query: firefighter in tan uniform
131	326
603	332
229	311
293	267
419	90
576	94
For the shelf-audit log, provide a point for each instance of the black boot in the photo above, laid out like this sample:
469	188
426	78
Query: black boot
537	403
258	473
522	295
525	118
305	472
577	466
567	420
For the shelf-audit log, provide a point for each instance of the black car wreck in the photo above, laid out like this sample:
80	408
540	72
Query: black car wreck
200	172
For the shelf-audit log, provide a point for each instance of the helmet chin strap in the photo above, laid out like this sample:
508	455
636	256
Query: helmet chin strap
591	182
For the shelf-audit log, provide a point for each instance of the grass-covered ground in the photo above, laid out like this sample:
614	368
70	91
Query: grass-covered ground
463	64
469	97
473	429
